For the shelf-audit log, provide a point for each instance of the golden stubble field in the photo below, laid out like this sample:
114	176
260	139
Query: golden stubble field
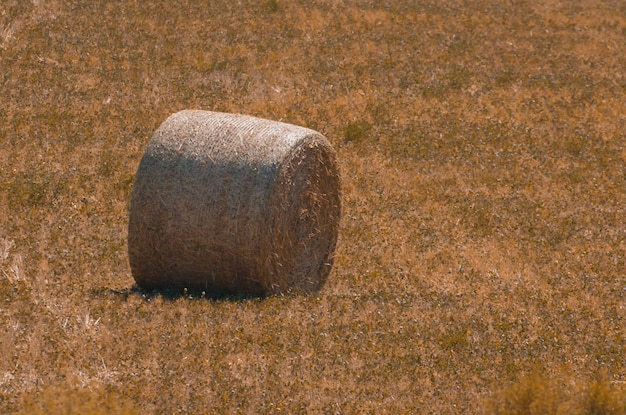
481	265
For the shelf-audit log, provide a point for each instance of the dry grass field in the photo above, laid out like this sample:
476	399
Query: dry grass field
481	263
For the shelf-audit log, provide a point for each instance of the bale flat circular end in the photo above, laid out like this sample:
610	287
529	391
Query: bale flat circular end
225	202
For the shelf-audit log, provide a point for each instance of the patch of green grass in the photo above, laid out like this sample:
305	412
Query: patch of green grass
357	131
272	5
537	394
77	401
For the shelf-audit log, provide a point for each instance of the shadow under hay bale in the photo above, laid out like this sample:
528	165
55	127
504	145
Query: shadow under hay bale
225	202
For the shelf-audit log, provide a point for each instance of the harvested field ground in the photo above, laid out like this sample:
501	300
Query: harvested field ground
481	264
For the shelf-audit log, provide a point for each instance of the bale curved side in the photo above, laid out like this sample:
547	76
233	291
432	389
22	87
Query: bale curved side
225	202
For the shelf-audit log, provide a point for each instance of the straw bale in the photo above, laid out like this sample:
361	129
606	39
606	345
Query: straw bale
225	202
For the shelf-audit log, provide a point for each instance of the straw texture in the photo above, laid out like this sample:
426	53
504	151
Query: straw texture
225	202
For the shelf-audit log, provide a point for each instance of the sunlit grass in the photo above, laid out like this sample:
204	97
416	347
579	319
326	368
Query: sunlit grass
480	265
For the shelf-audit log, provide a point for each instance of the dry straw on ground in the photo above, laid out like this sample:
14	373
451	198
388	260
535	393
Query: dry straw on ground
225	202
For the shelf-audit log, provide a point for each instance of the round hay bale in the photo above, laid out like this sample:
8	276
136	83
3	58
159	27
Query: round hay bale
232	203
